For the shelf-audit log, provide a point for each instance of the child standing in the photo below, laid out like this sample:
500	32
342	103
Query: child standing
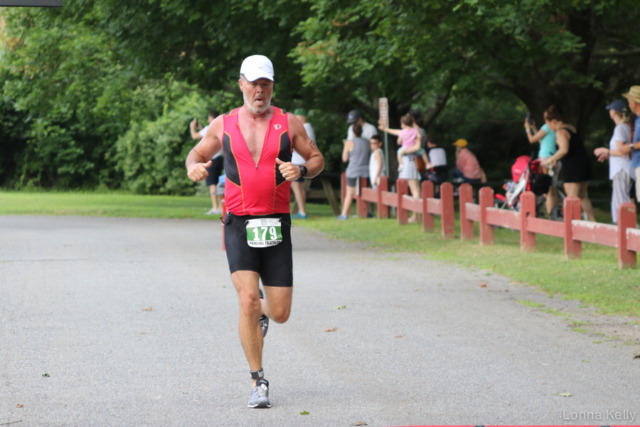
376	162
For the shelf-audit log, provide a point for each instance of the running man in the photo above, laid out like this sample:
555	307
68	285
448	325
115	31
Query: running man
258	140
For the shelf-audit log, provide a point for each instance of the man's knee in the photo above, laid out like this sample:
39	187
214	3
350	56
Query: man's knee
280	315
250	304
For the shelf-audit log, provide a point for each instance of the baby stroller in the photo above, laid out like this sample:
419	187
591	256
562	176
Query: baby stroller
527	176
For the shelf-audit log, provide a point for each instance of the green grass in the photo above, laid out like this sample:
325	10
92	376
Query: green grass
108	204
556	312
594	279
528	303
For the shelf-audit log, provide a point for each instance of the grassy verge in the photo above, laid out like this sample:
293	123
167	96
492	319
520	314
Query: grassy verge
108	204
594	279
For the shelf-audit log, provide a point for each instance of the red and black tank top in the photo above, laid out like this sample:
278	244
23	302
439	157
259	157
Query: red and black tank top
260	189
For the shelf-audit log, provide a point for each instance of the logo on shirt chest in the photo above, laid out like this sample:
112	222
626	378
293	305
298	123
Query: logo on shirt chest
277	127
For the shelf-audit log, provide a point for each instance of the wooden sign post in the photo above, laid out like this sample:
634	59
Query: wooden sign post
383	108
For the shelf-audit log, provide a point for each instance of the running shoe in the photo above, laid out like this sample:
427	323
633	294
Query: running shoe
264	320
260	395
342	218
214	212
299	216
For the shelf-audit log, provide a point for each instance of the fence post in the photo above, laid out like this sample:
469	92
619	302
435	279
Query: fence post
486	230
527	210
427	218
448	216
402	188
571	211
383	210
626	219
465	195
361	204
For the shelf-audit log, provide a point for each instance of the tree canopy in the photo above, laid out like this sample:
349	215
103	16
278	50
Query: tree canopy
101	92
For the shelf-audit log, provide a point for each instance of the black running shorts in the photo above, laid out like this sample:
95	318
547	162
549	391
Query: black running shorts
274	263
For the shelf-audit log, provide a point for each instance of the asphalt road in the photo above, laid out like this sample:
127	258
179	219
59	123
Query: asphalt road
135	323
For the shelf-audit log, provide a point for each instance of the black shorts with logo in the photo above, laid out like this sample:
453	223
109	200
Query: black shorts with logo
273	263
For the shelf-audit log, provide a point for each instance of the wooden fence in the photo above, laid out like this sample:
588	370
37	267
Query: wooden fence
624	236
404	203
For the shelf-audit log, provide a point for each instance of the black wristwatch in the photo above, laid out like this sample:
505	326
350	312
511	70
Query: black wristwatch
303	171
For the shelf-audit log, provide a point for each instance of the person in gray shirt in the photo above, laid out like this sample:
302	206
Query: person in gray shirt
357	153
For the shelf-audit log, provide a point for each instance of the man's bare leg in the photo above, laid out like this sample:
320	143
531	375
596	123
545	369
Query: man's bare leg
247	286
277	303
276	306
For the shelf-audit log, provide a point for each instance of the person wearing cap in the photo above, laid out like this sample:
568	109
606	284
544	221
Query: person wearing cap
467	166
368	130
257	141
298	185
619	162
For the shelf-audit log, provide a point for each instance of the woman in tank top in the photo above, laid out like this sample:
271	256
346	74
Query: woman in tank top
547	139
357	153
575	160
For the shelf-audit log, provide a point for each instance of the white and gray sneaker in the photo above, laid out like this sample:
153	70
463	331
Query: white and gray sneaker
264	320
260	395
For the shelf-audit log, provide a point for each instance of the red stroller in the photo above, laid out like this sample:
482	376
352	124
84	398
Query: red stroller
527	176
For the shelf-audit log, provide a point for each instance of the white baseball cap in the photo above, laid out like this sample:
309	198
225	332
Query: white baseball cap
257	67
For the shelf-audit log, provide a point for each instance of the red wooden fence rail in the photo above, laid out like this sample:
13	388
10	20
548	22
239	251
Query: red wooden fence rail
427	205
625	236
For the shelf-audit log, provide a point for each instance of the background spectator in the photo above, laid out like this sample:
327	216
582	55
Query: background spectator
547	139
357	153
217	163
417	116
633	97
368	130
298	185
575	160
437	171
467	166
619	161
421	152
377	167
409	141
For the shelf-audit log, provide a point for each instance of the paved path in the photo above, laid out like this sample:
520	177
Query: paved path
134	321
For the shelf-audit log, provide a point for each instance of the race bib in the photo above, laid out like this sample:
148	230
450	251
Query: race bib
264	232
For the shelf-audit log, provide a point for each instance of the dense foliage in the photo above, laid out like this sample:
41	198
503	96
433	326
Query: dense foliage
100	92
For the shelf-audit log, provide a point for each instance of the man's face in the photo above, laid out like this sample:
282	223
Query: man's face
257	95
210	118
634	106
360	121
458	149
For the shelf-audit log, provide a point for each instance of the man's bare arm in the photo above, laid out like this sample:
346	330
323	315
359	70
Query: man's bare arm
314	161
200	156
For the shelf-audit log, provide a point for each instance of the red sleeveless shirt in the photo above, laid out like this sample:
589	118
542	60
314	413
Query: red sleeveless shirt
260	189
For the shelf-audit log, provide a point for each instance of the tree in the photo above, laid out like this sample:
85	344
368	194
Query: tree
570	53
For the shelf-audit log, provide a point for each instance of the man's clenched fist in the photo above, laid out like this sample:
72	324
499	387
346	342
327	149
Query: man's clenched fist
199	171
